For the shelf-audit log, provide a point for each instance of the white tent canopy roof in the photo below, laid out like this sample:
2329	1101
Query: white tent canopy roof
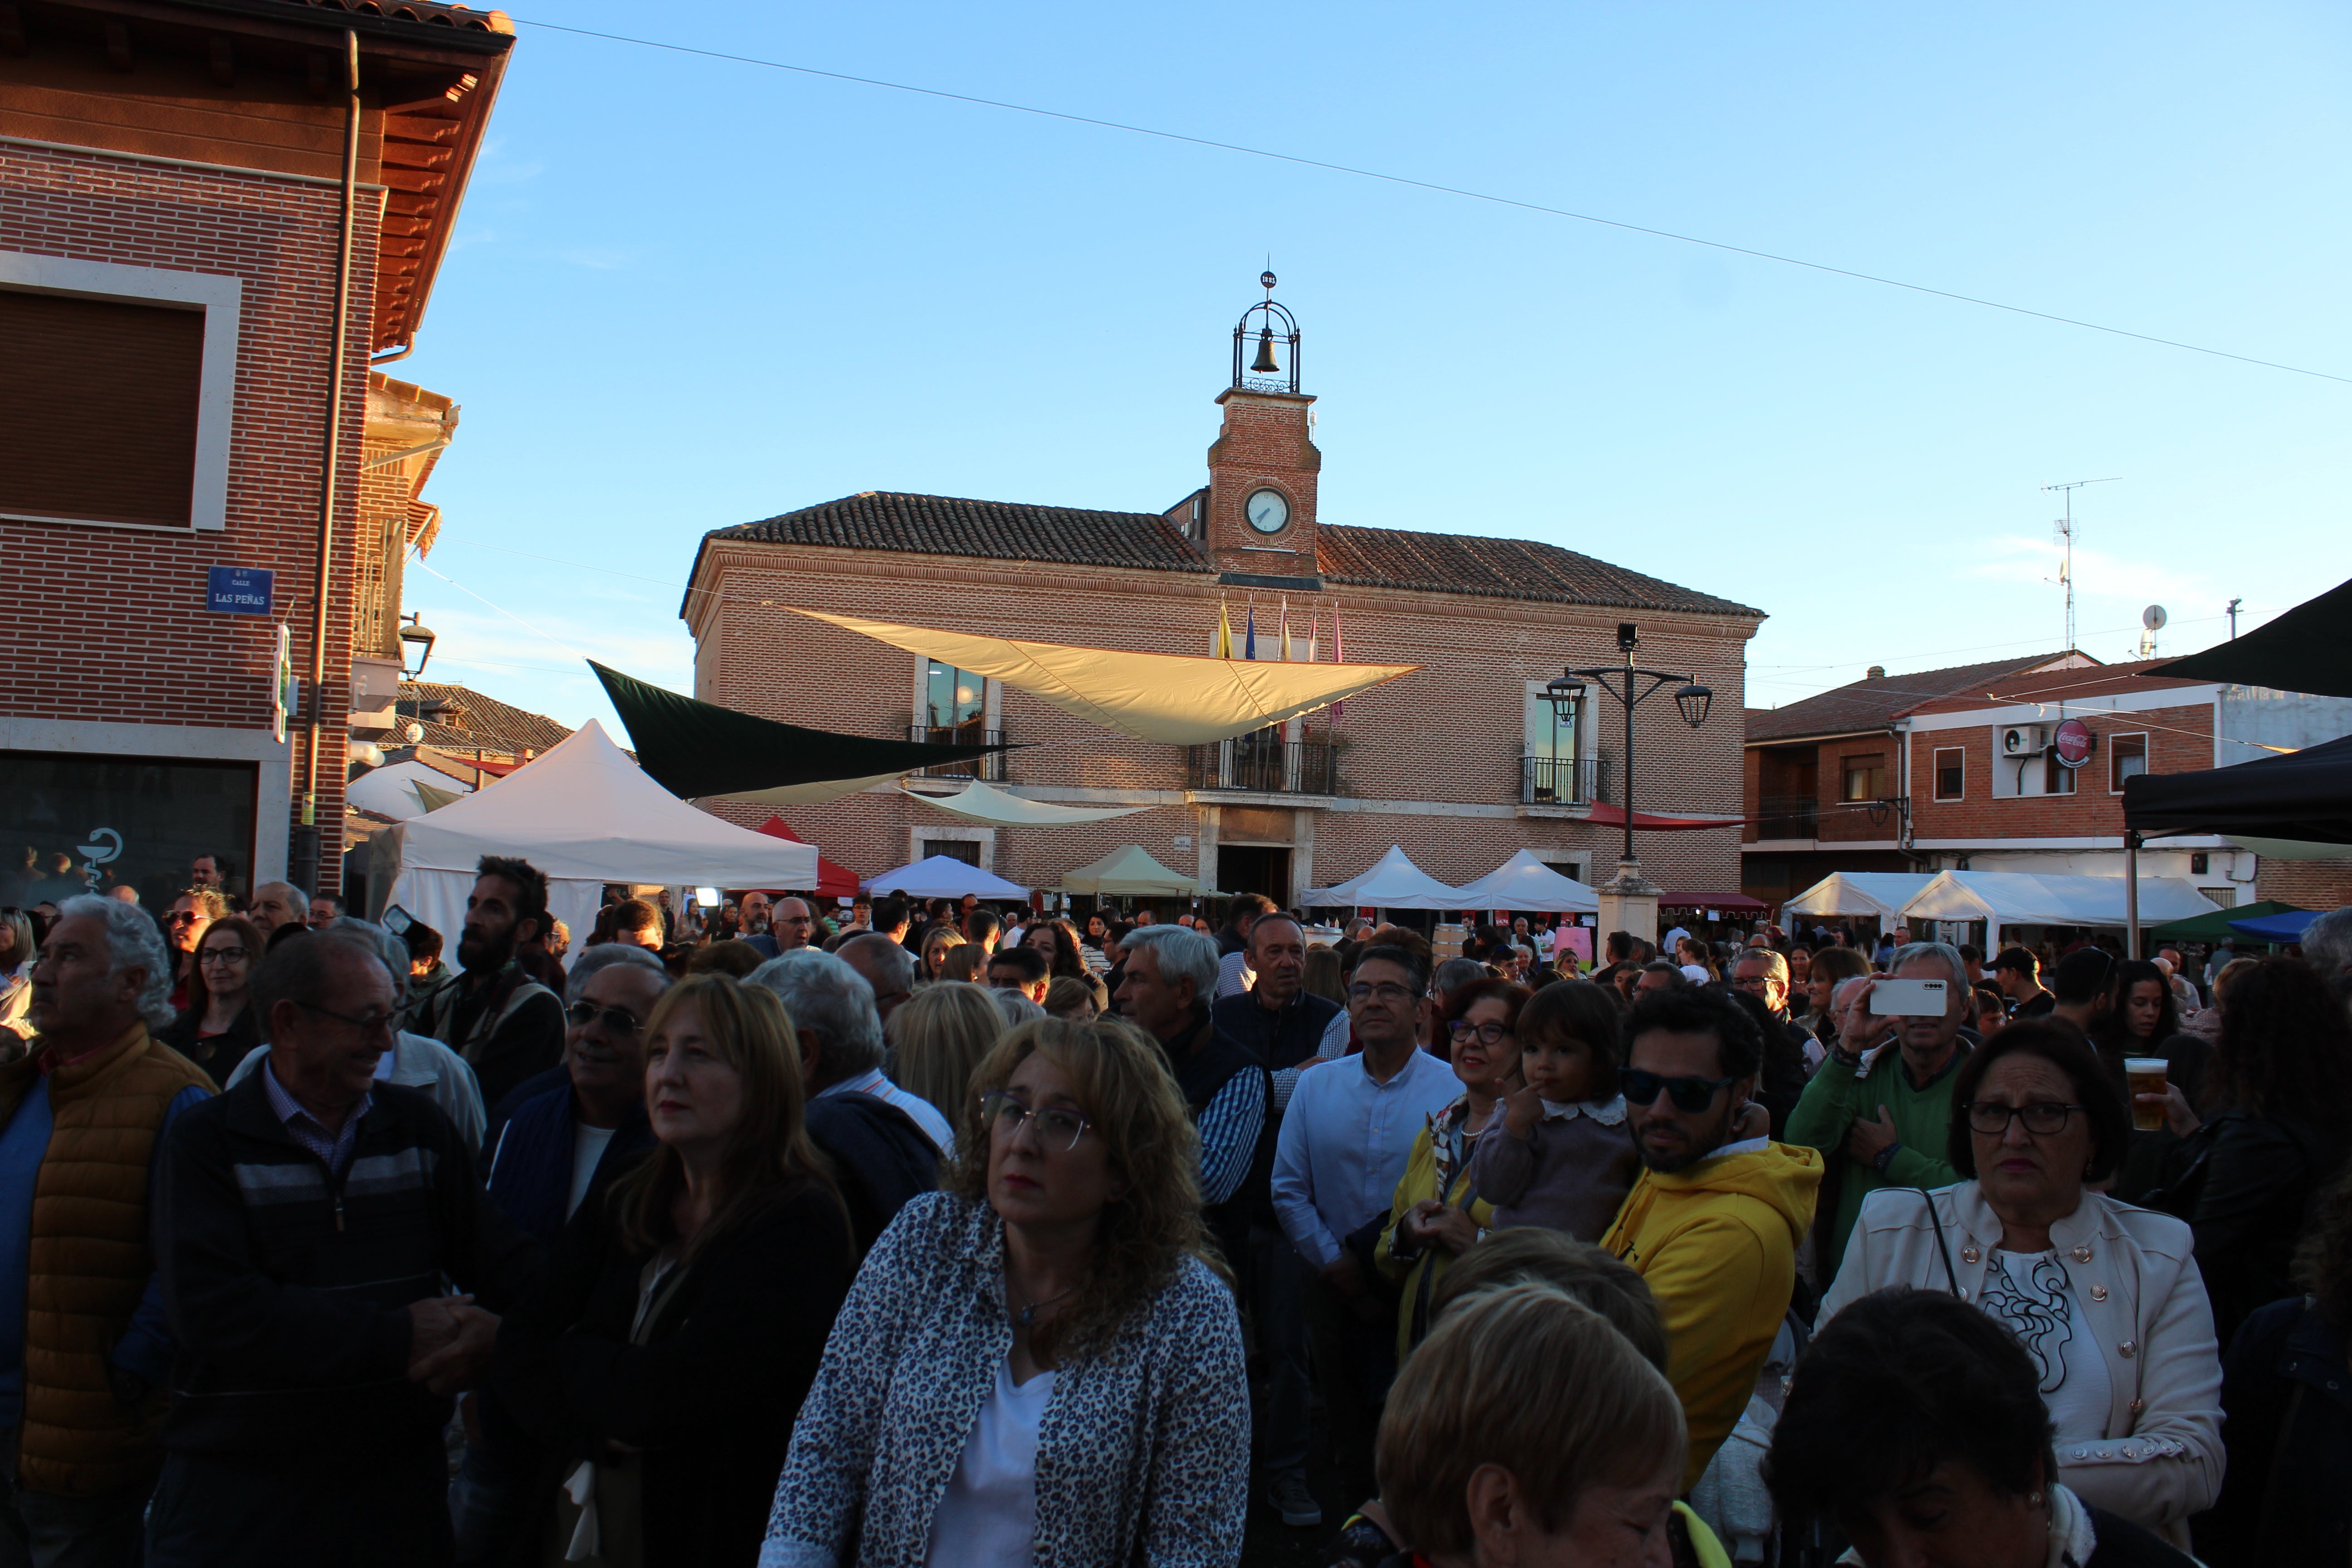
1394	883
389	791
2021	898
1129	873
584	814
1880	893
1174	698
982	802
944	877
1526	884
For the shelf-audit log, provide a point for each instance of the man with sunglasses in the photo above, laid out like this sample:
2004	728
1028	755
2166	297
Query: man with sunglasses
1889	1111
1712	1224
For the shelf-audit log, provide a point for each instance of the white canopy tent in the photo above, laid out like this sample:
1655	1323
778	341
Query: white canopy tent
391	790
2021	898
1394	883
945	876
584	814
1524	883
1879	893
1131	873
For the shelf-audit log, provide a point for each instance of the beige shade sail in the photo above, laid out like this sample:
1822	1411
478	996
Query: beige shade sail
1174	698
817	792
979	802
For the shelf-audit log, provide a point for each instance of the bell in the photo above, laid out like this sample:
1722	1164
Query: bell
1265	360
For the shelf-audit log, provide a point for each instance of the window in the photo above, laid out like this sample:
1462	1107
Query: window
955	698
2126	758
964	849
84	824
1951	772
1554	747
1865	777
2057	778
116	405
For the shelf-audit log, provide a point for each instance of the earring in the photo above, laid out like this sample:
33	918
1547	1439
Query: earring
2033	1500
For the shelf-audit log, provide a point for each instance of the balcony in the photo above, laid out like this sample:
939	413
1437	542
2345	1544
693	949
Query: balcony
1560	781
1254	766
989	769
1788	816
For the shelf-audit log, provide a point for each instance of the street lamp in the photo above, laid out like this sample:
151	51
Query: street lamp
418	637
1625	683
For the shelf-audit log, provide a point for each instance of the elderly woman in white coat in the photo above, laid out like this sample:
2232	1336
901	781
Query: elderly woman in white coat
2106	1297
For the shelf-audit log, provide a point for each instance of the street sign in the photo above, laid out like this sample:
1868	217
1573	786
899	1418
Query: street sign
2073	742
238	590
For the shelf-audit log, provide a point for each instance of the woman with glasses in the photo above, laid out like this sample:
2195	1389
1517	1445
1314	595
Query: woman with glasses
666	1350
1436	1217
1044	1361
2105	1298
184	924
216	1029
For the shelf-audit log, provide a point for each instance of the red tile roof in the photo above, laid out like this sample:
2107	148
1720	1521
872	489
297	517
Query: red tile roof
1876	702
1499	568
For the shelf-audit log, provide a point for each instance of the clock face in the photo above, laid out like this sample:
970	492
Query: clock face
1267	510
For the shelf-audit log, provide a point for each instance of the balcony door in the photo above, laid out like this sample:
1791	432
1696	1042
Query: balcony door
1554	746
955	705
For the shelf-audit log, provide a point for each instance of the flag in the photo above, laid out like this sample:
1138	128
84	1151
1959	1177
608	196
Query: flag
1286	628
1314	638
1220	642
1250	648
1339	656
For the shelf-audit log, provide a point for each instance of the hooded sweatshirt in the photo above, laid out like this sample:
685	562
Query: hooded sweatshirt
1716	1244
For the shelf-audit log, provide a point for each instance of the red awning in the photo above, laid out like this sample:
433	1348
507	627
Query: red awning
1614	816
1736	903
834	880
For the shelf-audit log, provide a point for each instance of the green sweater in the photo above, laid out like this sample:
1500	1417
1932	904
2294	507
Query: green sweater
1836	1098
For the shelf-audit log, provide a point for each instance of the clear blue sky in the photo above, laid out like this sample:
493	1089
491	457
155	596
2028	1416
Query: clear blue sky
686	293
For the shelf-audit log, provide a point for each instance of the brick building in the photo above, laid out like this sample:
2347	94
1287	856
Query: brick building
1957	769
1461	762
174	188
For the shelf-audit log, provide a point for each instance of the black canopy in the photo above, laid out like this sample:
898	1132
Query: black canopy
695	749
2304	795
2309	648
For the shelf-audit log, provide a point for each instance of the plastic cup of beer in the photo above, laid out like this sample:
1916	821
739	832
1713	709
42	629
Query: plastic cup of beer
2146	1075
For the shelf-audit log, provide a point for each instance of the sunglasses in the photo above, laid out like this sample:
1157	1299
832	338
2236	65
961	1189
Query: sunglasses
1690	1095
619	1024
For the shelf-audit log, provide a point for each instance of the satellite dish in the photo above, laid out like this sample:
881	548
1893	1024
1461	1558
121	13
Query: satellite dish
2153	617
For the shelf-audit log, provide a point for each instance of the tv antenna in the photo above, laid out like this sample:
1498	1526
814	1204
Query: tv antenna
2151	621
2232	613
2065	536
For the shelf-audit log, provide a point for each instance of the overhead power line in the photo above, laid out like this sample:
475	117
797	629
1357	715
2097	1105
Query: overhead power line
1461	191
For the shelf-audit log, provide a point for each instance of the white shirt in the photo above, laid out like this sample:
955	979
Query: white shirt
927	1117
1345	1140
2031	1296
588	1145
988	1516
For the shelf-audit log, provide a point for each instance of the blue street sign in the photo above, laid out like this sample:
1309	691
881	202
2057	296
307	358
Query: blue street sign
238	590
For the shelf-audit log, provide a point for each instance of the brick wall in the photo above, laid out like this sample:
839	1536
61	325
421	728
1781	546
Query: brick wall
1451	731
2180	739
2307	884
110	623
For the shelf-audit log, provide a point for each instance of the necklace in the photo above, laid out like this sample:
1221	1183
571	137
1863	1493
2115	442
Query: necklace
1029	1310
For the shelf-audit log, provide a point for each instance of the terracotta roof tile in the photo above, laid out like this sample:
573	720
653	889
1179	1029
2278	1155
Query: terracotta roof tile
997	531
1499	568
1874	703
490	724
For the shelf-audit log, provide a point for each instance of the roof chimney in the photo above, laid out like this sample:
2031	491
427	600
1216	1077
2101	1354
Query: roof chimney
1877	673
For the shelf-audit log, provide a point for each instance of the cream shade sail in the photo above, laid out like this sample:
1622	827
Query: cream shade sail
815	793
1171	698
980	802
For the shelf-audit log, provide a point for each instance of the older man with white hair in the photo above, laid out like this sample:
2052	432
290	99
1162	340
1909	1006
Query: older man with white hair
2327	944
1889	1111
82	1116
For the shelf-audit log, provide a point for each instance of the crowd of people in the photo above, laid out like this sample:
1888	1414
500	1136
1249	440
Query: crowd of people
943	1235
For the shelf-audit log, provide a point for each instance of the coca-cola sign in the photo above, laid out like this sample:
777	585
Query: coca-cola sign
2073	742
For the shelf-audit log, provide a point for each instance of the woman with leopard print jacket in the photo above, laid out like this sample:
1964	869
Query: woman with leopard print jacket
1042	1364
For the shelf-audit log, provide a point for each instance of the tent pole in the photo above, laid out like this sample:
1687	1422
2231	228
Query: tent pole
2131	894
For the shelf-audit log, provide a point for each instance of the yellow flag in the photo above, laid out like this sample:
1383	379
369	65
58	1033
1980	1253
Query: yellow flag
1222	646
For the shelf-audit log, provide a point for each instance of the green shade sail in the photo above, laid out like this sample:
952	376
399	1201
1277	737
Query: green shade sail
698	749
2215	926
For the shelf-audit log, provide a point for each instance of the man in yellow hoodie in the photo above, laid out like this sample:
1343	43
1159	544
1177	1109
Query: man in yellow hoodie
1712	1225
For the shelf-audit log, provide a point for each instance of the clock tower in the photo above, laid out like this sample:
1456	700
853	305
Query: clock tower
1263	465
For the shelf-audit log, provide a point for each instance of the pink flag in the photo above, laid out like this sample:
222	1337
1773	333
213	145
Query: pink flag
1339	656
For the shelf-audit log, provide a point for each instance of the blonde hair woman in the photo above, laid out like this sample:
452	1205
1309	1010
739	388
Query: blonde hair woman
938	943
666	1352
937	1038
1043	1360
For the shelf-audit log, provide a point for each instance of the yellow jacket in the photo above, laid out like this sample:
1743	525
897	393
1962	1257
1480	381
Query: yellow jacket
1420	1272
1716	1245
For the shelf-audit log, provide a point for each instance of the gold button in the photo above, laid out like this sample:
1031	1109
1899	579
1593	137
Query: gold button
2098	1292
2127	1350
1969	1254
2136	1406
2081	1254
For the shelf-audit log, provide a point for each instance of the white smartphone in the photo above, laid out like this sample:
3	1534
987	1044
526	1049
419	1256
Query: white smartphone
1908	998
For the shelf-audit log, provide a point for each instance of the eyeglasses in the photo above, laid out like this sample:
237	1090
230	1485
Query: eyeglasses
366	1023
2043	1117
223	955
1387	991
1058	1131
1489	1034
618	1023
183	917
1691	1095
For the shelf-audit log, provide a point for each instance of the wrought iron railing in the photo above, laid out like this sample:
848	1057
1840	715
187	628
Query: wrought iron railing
1560	781
1788	816
1264	766
990	768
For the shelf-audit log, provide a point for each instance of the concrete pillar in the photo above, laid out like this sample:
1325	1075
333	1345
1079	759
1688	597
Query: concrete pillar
1629	903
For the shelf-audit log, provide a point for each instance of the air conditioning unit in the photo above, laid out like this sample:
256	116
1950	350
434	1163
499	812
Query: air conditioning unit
2024	740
